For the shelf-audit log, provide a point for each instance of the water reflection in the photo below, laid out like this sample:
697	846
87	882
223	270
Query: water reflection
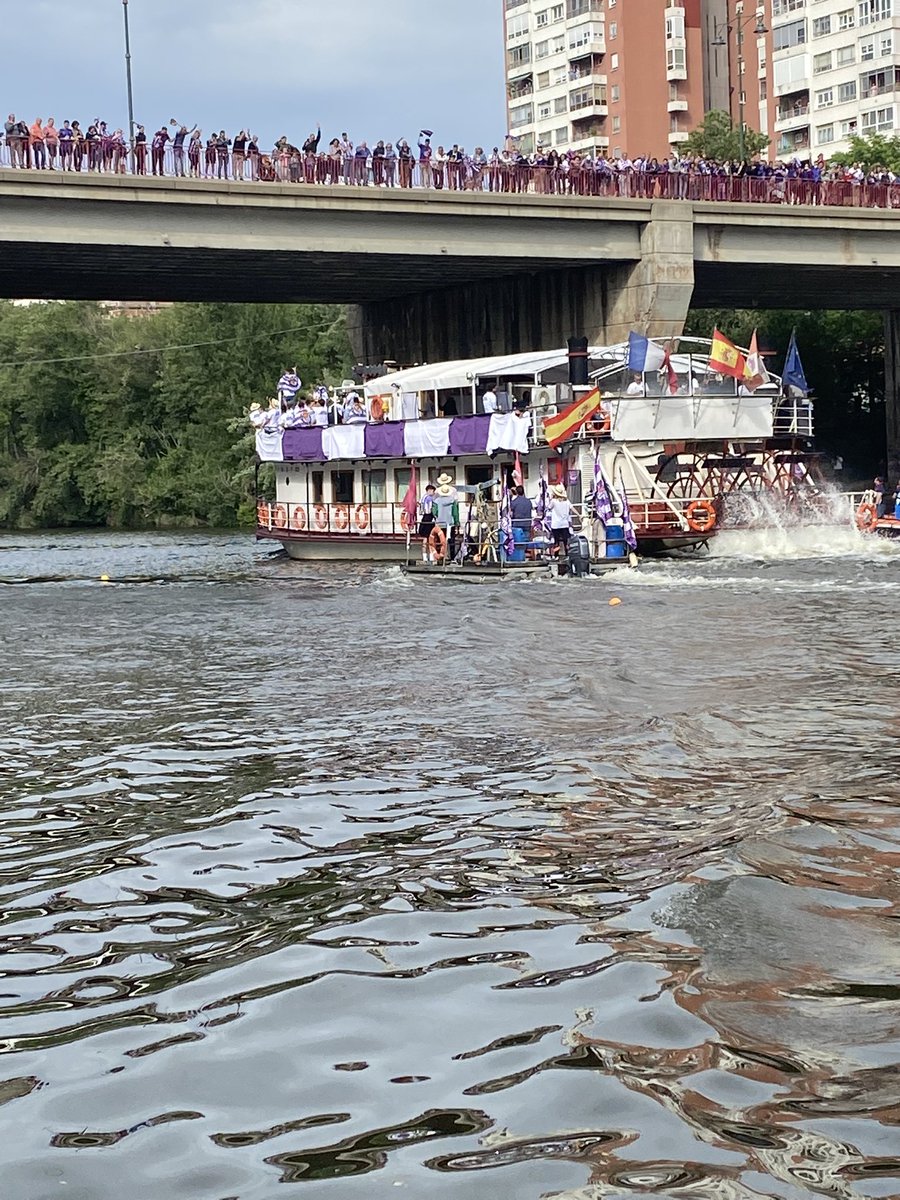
516	895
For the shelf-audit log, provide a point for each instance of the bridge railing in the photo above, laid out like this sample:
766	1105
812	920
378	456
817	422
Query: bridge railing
502	178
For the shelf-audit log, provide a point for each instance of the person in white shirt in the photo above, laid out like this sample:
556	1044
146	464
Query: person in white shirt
319	411
560	511
636	387
355	410
489	401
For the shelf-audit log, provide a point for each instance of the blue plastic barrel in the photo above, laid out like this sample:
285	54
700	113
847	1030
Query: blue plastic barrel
616	546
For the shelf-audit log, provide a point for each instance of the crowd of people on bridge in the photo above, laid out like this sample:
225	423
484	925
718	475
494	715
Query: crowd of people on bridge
177	150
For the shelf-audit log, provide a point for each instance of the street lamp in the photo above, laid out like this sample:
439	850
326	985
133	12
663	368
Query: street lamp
128	77
720	38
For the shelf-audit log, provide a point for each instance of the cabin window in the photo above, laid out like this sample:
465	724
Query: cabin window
374	487
402	477
479	475
341	487
317	485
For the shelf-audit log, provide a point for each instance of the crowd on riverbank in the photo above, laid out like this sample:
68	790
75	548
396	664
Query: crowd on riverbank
175	151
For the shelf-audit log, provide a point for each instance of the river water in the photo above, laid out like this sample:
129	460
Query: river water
320	881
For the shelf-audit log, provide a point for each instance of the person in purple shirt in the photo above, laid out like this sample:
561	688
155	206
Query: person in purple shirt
158	150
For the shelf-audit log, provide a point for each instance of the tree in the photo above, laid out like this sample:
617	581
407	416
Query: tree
876	150
718	138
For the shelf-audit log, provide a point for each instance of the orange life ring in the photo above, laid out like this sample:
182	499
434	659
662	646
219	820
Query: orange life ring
361	518
405	523
320	516
702	524
376	409
341	517
298	517
262	513
437	539
866	518
279	516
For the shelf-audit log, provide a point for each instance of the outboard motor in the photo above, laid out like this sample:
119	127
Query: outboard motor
579	555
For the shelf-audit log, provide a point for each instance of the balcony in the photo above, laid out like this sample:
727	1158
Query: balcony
588	101
797	143
791	116
521	87
676	136
677	106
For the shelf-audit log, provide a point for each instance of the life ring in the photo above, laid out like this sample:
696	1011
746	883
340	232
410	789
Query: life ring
320	516
298	517
701	524
437	540
341	517
361	518
279	516
866	518
405	523
376	409
262	513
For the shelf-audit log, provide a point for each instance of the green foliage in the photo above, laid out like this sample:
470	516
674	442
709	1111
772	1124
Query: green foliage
876	150
718	137
148	435
843	357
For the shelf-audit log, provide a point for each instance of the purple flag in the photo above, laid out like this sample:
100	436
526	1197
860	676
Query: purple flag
627	523
602	503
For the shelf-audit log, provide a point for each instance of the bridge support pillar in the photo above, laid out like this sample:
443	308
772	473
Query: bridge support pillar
892	390
538	311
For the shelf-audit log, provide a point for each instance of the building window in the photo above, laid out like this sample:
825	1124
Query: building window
845	56
543	80
849	128
540	19
674	26
886	44
561	104
879	120
867	50
616	124
374	487
341	487
613	30
614	93
523	115
780	7
847	92
792	34
846	19
614	62
675	59
825	98
558	44
561	135
824	134
558	13
517	26
871	11
560	75
821	63
545	138
821	27
763	89
544	111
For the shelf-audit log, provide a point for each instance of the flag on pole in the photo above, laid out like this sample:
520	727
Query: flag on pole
518	477
542	504
627	523
793	374
410	504
644	355
756	374
670	374
725	357
506	542
602	503
564	424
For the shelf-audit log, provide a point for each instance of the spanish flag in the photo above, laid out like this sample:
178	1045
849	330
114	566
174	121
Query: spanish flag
725	357
564	424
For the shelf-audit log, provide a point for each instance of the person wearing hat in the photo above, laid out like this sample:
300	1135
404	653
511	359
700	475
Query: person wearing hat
257	416
560	512
446	508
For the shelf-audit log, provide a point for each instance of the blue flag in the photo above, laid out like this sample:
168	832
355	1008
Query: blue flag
793	375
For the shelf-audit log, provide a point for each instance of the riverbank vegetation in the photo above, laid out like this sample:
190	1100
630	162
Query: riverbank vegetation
140	422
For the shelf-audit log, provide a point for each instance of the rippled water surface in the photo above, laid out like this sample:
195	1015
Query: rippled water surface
321	881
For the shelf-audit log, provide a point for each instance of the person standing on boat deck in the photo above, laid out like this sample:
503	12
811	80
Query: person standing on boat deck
521	510
446	510
354	410
289	384
560	511
879	489
426	524
489	402
636	387
319	412
273	417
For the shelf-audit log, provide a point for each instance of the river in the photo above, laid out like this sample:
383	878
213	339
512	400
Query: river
320	881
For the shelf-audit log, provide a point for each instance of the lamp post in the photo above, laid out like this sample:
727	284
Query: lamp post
720	38
128	77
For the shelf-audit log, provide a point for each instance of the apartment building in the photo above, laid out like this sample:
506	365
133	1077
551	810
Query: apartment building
832	71
610	76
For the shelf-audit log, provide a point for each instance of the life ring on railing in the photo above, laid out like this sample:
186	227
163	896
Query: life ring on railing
279	516
262	513
437	540
405	523
298	517
376	409
361	518
866	518
341	517
320	516
701	524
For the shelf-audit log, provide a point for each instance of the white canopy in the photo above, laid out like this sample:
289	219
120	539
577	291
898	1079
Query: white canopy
462	373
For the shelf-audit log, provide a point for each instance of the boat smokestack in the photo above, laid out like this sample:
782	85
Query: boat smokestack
578	361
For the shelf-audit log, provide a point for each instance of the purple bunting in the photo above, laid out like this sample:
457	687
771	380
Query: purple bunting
385	440
469	435
302	445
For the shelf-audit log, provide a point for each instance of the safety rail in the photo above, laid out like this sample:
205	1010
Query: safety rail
308	518
575	178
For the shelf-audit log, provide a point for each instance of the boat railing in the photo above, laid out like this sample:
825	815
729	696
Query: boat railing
657	515
308	518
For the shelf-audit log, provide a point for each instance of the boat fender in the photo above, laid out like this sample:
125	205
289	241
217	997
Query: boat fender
361	518
437	539
298	517
279	516
341	517
701	516
320	516
866	518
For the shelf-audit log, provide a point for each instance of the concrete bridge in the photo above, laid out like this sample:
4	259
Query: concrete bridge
445	274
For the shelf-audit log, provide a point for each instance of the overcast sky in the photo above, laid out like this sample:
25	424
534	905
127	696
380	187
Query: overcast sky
377	68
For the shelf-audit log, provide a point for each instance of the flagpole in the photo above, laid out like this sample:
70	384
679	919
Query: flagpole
128	76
